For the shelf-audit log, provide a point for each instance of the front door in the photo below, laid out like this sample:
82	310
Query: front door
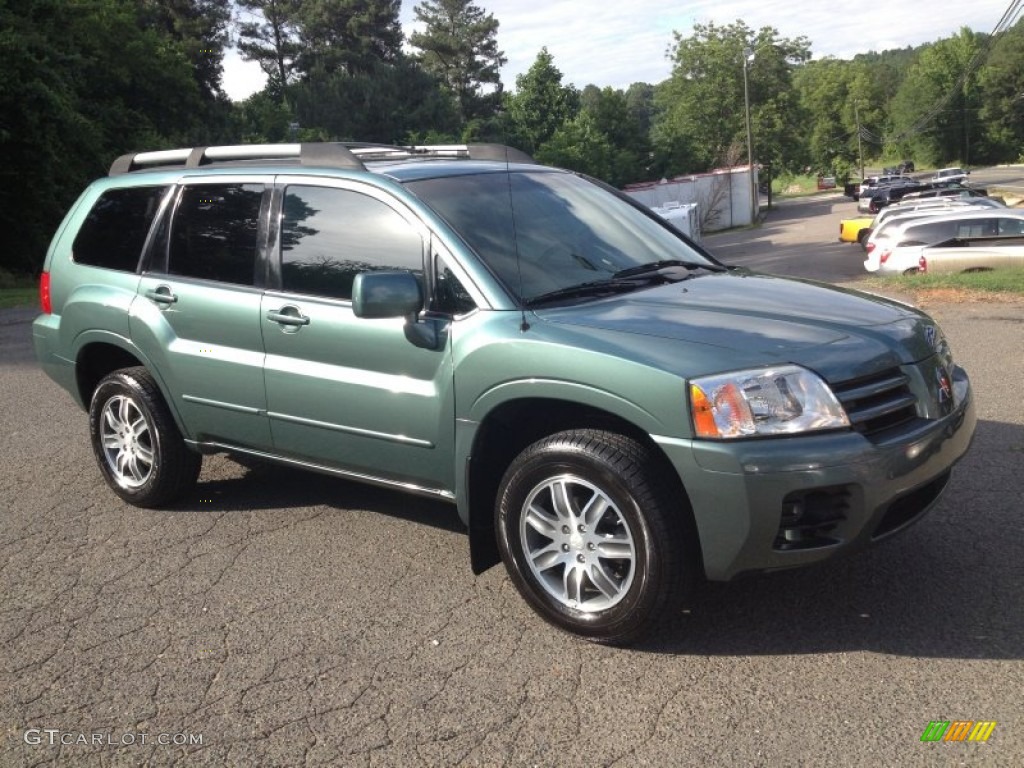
342	391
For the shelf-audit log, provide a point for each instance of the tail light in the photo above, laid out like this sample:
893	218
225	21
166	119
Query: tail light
922	264
885	256
44	293
869	247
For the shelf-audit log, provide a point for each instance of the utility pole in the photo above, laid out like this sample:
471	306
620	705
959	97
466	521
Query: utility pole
860	148
754	202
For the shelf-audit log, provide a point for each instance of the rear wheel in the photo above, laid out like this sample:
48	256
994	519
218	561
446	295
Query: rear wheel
595	542
137	444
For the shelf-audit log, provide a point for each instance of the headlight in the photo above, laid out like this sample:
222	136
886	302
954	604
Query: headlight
765	401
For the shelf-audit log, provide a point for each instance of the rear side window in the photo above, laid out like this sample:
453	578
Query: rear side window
114	232
328	236
215	231
976	228
1011	226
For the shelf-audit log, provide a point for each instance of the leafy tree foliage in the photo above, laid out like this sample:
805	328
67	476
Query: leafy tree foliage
936	104
268	35
701	107
460	47
347	35
1001	84
385	104
84	82
541	104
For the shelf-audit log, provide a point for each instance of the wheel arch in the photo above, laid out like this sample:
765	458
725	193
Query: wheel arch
100	354
506	430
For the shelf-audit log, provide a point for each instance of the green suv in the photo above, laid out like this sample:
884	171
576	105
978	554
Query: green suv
614	413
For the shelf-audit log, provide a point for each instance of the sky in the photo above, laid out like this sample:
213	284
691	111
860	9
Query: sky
619	42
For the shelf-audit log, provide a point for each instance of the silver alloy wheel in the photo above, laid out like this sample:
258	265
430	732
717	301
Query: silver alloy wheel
577	543
127	441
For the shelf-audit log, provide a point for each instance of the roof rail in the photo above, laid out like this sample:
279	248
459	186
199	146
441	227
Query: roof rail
348	155
330	154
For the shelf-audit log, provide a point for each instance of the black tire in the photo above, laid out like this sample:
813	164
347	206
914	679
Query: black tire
137	444
648	583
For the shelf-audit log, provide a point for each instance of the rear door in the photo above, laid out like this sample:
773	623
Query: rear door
345	392
197	313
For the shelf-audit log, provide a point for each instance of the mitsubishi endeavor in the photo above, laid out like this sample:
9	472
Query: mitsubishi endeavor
614	413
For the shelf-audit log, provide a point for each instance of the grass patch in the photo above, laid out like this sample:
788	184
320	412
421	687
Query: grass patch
1000	284
17	290
18	297
795	186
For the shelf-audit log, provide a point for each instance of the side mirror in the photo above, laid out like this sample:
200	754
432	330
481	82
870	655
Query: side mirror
377	295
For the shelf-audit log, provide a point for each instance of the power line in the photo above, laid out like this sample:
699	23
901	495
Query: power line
1005	22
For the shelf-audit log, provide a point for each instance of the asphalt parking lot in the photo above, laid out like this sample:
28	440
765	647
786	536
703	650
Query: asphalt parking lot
282	618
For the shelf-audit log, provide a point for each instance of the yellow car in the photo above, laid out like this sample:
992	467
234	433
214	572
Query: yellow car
855	230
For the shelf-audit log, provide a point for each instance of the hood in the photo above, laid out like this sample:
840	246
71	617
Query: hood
731	319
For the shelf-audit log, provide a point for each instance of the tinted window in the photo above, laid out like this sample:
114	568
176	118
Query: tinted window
450	296
1011	226
115	230
328	236
214	235
932	232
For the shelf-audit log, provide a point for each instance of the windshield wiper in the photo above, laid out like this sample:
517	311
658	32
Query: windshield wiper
656	266
624	280
595	288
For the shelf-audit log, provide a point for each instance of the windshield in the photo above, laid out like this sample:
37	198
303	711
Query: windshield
569	231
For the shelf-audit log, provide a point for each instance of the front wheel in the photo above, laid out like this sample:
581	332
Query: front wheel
591	536
137	444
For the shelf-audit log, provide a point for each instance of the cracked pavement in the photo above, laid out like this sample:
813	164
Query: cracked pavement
294	619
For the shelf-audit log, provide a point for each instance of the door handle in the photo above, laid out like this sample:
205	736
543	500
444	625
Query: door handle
288	315
162	295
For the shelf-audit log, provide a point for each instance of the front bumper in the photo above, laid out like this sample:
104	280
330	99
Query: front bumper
744	493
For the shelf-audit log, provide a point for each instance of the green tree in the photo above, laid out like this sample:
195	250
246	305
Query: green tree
580	145
459	46
935	110
348	35
83	83
609	114
1001	82
268	35
389	103
541	104
701	113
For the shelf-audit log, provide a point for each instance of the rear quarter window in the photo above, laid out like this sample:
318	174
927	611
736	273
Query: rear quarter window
114	232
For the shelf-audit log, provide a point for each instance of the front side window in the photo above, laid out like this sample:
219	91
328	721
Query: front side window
215	232
450	295
114	232
543	231
329	235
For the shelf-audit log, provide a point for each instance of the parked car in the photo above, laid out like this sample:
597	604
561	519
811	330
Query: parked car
615	414
951	174
883	194
976	254
887	227
860	229
854	230
901	251
955	191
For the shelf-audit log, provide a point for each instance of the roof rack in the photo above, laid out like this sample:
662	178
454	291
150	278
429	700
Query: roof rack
348	155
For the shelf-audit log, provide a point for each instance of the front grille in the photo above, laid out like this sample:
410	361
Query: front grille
877	403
